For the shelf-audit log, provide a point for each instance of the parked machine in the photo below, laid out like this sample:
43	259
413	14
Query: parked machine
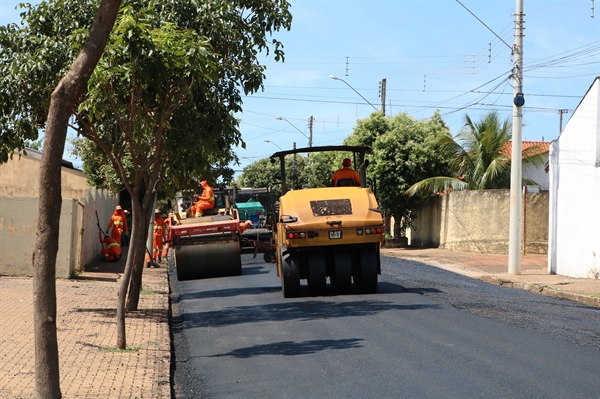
332	232
258	206
208	246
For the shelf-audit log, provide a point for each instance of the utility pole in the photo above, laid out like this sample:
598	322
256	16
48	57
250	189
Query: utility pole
383	83
516	180
310	126
561	112
293	169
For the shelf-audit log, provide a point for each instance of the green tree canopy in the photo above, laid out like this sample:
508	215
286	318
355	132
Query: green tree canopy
160	105
39	51
34	55
263	173
313	170
404	152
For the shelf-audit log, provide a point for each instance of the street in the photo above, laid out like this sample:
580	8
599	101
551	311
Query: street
426	333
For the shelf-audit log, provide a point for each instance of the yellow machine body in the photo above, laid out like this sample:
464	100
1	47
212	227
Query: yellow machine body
330	232
349	210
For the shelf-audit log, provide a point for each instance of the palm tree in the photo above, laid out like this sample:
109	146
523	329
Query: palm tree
479	158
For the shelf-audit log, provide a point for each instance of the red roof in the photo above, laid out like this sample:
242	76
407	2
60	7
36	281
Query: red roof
537	147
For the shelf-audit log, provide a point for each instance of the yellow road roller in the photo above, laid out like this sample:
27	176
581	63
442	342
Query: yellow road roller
328	232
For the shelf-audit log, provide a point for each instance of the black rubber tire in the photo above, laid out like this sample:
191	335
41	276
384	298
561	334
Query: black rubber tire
268	257
366	278
208	261
290	276
317	274
341	279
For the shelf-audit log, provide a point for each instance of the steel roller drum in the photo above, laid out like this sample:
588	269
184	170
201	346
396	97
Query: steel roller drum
208	260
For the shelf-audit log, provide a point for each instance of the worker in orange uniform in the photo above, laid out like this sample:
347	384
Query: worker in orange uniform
168	237
350	177
159	236
112	252
118	222
205	201
191	211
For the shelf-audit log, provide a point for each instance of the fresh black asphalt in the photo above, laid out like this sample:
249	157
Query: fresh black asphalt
426	333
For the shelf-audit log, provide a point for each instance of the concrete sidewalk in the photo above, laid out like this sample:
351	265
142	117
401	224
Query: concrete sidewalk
494	269
90	366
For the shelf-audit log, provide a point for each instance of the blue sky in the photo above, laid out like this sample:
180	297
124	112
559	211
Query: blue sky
433	55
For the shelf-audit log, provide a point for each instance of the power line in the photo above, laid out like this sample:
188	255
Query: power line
483	23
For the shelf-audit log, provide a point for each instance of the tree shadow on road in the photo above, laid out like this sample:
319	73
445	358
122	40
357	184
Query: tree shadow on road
290	348
227	293
299	311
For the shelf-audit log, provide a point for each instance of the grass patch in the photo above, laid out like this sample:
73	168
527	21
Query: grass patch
150	292
133	349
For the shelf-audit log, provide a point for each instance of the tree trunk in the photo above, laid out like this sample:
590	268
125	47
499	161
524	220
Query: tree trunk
135	285
64	100
135	262
134	255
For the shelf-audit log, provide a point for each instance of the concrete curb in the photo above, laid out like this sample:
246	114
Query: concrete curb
534	277
542	289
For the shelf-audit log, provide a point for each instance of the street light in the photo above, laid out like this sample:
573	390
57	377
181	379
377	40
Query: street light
272	142
279	118
348	84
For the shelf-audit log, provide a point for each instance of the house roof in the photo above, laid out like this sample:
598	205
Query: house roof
537	147
35	154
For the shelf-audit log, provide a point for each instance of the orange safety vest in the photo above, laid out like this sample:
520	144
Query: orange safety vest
159	227
112	246
346	173
119	221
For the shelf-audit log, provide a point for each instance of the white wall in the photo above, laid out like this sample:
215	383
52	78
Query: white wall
19	189
574	230
95	201
18	227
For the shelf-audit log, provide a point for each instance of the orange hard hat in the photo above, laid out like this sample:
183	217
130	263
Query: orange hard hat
346	162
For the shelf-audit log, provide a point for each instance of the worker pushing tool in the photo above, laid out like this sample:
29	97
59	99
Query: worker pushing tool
118	222
205	201
159	236
112	252
167	240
